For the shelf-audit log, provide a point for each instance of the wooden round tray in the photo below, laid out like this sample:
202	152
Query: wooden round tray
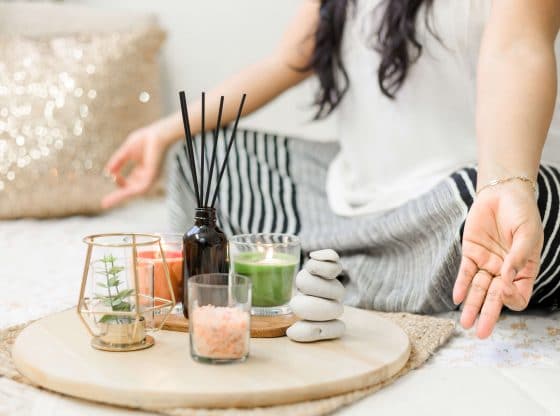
55	353
261	326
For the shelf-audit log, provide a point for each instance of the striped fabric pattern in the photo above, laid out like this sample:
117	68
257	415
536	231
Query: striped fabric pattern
257	191
547	285
405	259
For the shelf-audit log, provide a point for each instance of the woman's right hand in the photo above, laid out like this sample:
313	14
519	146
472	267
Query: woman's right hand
145	150
502	243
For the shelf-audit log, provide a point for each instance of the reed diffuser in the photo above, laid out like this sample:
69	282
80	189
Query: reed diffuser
205	246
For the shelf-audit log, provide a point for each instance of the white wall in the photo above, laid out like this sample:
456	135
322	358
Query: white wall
211	39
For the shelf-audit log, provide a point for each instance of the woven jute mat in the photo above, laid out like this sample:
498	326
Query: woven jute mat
426	335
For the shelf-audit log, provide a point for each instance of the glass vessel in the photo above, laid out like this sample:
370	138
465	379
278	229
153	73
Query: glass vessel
172	244
205	249
220	317
271	261
117	302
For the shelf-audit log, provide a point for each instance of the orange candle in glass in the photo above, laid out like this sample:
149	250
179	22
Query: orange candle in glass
173	250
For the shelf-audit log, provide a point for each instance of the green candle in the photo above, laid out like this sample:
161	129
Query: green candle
272	276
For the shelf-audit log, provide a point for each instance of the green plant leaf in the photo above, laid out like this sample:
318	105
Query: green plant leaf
102	285
107	318
107	302
124	294
115	270
123	307
110	319
109	258
113	281
110	301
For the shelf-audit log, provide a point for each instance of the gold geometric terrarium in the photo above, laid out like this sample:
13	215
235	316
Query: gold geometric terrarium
117	302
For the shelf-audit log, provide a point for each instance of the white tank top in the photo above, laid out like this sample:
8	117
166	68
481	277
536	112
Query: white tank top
395	150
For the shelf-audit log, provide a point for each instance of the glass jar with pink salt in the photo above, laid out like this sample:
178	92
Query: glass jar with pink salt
219	317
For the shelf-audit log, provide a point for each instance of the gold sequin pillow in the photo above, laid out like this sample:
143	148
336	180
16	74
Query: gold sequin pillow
66	103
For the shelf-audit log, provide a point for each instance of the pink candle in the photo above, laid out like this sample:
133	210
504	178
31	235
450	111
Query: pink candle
220	332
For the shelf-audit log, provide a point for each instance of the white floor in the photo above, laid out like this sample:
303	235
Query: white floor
516	372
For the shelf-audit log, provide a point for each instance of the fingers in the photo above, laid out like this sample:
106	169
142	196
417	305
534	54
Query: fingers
467	270
119	180
485	257
486	297
475	298
118	160
516	295
118	196
491	309
519	254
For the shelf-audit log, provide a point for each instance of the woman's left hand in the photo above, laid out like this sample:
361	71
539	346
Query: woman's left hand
502	243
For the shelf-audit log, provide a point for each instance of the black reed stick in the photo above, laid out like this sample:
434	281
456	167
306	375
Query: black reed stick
203	148
189	143
232	138
215	144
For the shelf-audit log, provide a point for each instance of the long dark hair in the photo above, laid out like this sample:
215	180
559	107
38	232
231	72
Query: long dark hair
396	42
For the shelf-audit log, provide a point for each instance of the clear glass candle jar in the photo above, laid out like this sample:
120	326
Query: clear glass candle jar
219	307
271	261
172	249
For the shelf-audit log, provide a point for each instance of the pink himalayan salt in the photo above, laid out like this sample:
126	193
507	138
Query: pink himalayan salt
220	332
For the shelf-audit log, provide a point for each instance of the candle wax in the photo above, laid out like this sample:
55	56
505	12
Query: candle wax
272	278
174	261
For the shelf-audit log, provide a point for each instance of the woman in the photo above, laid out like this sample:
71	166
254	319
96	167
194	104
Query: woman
425	90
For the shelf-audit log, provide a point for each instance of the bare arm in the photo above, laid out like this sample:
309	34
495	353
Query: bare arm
145	147
516	87
262	81
516	92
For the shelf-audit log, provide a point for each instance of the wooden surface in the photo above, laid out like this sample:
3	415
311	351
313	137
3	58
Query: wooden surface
261	326
55	353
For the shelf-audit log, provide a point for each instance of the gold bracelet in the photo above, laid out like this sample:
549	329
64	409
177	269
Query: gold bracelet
499	181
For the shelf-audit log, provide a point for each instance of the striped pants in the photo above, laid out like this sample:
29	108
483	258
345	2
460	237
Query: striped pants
405	259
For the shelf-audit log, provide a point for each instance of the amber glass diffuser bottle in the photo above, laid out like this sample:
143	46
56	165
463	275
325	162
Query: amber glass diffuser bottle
205	246
205	249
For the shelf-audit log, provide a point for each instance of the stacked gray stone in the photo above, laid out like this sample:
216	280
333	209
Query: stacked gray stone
319	303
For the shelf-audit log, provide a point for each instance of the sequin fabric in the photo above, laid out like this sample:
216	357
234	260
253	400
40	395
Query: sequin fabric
66	103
